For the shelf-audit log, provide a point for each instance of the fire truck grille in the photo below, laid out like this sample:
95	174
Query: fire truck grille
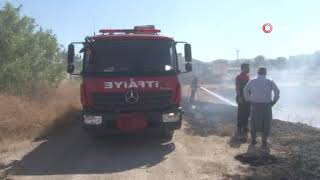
116	101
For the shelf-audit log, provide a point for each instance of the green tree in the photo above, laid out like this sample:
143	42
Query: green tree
29	55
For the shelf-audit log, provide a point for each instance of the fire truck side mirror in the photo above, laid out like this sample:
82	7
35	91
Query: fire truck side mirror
70	53
188	67
70	68
187	53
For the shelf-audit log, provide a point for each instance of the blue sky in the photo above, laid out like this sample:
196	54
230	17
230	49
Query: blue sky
215	28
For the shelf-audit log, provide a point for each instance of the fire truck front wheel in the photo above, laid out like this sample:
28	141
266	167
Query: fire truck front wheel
94	135
167	135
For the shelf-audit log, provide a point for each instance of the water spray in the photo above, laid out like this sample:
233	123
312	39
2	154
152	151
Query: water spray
227	101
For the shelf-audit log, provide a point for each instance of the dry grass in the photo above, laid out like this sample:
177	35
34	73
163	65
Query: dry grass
44	111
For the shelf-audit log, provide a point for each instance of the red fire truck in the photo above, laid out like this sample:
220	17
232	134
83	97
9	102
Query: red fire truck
130	81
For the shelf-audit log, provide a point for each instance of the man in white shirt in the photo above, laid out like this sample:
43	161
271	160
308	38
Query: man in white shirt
258	92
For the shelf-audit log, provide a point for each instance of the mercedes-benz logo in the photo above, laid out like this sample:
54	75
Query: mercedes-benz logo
132	96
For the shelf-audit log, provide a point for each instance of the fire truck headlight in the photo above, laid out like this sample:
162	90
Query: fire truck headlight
171	117
92	120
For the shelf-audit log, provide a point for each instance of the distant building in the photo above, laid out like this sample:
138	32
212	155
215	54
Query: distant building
309	61
219	67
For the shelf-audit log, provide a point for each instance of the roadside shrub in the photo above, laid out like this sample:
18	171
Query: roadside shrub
29	56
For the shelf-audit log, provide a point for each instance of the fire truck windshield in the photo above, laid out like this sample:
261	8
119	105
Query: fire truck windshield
130	56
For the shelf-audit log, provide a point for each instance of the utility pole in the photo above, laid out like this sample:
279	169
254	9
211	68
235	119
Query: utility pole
237	54
94	26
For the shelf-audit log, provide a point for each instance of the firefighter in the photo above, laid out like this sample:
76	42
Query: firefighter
243	106
194	86
259	92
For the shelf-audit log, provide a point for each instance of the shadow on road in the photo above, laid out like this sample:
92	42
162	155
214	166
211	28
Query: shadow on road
256	157
261	165
74	153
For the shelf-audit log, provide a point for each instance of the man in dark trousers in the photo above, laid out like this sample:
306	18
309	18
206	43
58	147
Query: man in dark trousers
243	106
262	93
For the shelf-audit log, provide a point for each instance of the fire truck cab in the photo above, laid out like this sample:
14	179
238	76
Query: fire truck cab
130	81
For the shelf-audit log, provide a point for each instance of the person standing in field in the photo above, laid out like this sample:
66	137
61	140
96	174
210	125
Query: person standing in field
243	106
258	92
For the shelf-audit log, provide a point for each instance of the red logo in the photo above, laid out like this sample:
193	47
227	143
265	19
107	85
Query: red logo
267	28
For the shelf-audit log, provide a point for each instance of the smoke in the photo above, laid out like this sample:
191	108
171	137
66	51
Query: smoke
299	85
299	90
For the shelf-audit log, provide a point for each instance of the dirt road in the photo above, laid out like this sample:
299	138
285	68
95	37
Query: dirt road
72	155
203	149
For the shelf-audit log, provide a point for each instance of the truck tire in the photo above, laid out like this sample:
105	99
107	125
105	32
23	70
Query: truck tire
167	135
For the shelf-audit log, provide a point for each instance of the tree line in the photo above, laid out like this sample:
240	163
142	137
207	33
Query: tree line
30	56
